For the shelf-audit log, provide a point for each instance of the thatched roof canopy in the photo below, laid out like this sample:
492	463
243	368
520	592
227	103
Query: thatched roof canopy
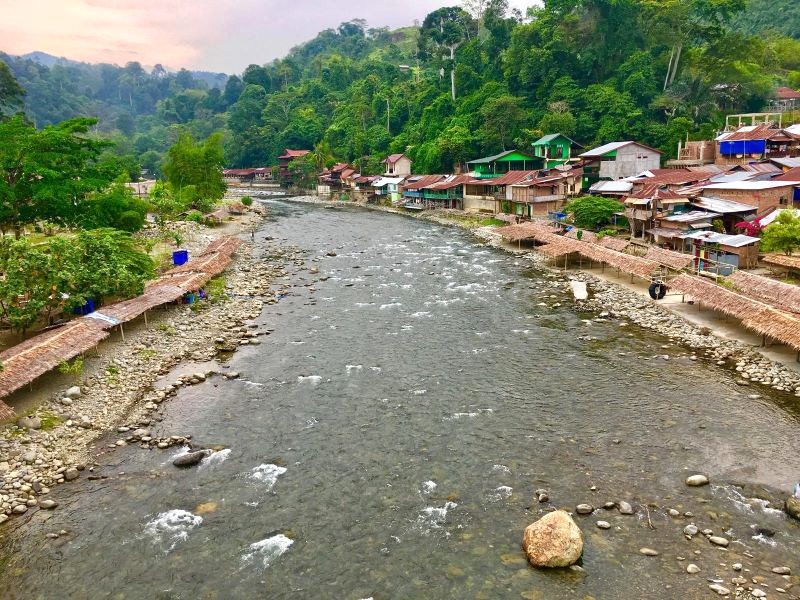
668	258
32	358
792	262
754	315
781	295
26	361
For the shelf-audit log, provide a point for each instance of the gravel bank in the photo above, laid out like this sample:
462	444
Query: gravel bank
57	441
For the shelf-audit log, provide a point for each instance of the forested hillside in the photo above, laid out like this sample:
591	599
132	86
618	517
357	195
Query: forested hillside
763	16
470	81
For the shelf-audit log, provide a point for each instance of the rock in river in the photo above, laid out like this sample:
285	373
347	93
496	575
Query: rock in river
793	507
553	541
190	459
696	480
719	541
584	509
624	508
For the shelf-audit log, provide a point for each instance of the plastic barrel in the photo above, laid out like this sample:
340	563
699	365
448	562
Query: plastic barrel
180	257
85	309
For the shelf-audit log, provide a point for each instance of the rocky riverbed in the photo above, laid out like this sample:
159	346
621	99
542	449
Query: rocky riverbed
60	440
433	397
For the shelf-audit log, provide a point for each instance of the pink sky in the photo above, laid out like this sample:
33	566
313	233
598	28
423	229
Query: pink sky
200	34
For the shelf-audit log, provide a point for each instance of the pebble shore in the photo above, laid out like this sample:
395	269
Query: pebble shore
59	440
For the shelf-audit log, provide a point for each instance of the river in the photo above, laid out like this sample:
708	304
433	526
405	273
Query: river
386	439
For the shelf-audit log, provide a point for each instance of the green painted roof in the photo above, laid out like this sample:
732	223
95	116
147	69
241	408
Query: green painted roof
508	155
547	139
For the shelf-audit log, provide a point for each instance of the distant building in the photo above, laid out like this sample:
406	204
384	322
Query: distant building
751	143
618	160
500	164
287	157
397	165
760	194
241	176
555	149
141	189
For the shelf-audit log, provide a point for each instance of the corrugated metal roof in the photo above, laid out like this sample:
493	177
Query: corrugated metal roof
790	175
612	187
510	178
691	217
393	158
611	147
751	185
490	159
734	241
762	131
770	217
718	205
787	163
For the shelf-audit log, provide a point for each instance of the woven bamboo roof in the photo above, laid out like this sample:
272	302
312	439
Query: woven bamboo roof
668	258
793	262
127	310
754	315
585	235
26	361
559	247
624	262
781	295
6	412
613	243
528	231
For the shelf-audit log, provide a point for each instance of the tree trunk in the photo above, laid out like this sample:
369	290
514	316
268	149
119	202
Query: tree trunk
669	68
675	66
453	72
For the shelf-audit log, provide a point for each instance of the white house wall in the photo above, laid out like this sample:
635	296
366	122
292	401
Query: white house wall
631	160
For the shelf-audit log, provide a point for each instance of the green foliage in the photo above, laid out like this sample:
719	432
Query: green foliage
194	171
11	93
783	235
115	207
478	81
61	273
49	174
73	367
110	264
247	201
591	212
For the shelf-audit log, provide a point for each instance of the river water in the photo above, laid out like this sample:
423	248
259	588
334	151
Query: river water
385	441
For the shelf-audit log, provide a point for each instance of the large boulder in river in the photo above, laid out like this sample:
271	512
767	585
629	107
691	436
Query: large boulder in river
190	458
793	507
553	541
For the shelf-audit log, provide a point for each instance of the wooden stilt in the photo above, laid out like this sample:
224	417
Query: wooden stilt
122	332
145	317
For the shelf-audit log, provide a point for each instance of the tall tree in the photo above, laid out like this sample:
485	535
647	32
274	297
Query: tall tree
444	30
194	169
11	93
48	174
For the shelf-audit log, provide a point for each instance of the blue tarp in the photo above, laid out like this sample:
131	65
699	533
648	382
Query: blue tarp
742	147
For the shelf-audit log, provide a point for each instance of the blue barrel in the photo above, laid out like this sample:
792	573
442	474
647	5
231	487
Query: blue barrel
85	309
180	257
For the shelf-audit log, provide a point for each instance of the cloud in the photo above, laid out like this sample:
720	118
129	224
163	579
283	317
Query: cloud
219	35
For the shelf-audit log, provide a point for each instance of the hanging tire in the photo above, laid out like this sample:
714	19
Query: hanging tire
657	290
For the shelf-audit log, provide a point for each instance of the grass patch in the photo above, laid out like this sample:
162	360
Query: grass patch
147	353
492	221
215	289
49	420
168	329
